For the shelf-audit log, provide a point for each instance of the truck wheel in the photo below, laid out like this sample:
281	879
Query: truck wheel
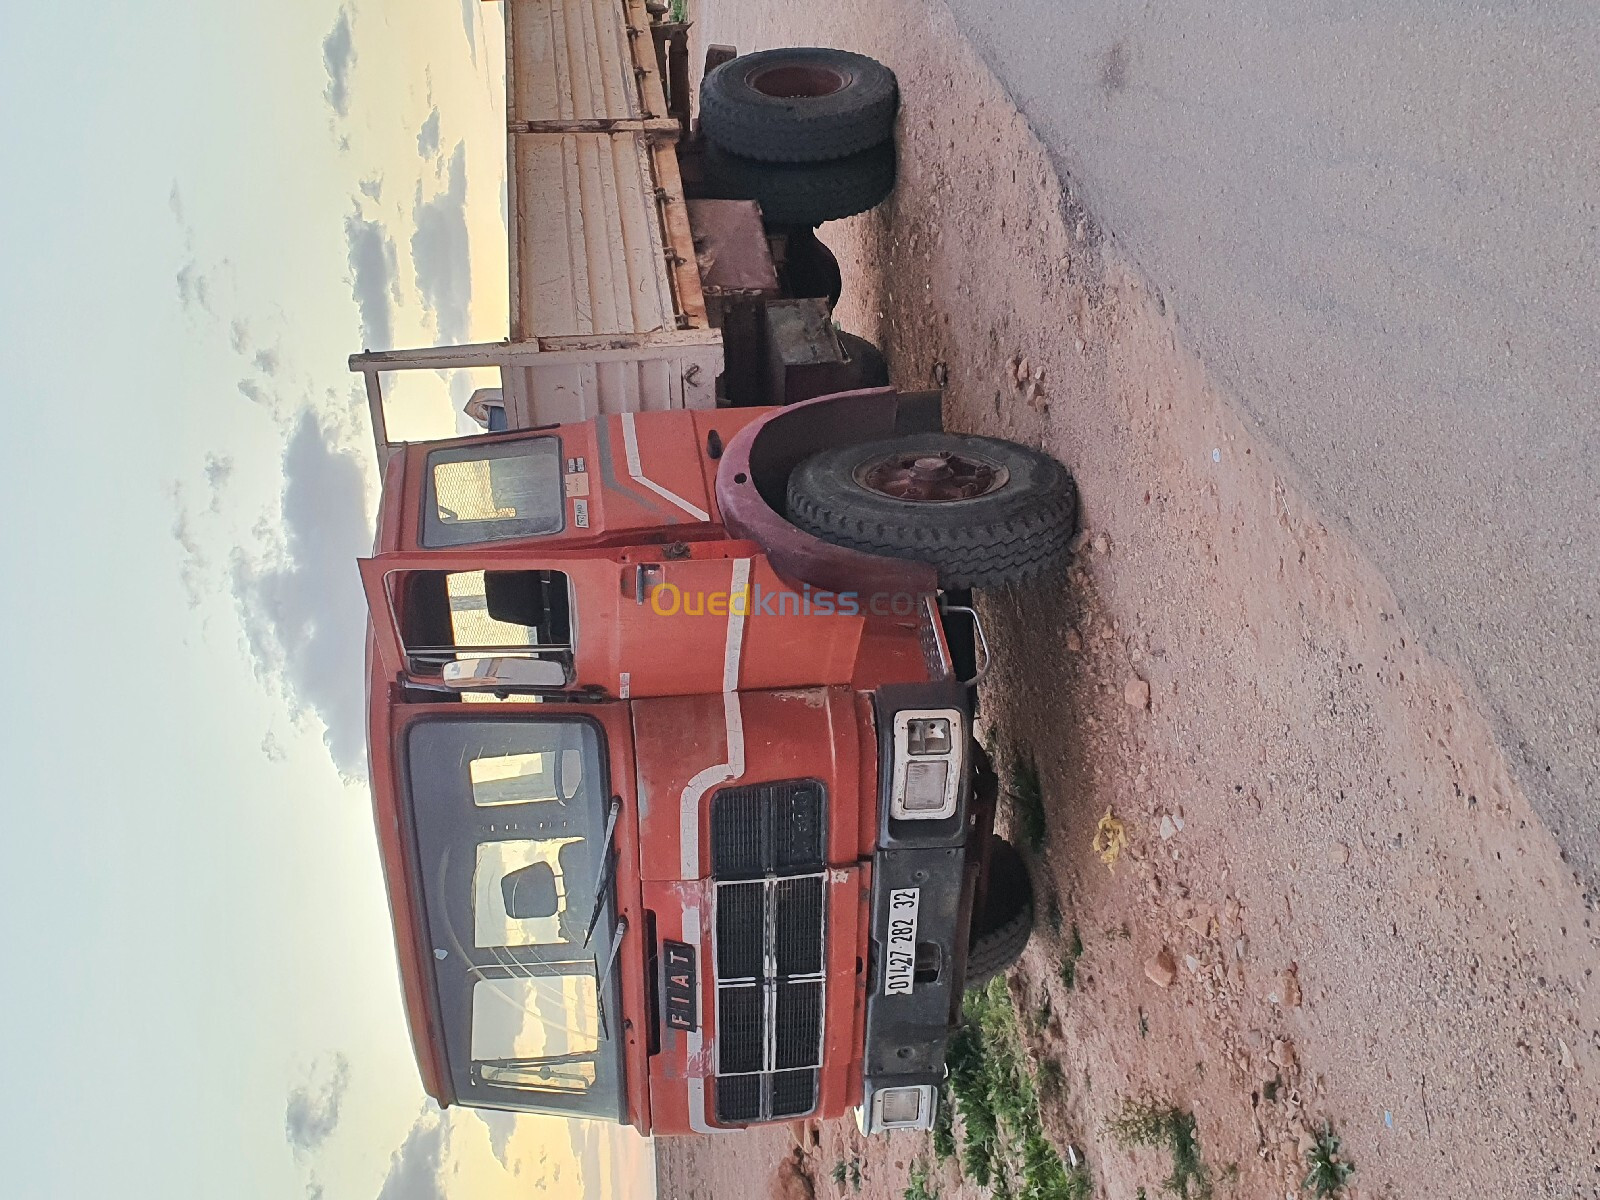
980	511
803	193
868	367
800	104
1000	931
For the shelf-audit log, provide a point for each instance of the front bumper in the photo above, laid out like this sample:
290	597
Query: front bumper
908	1031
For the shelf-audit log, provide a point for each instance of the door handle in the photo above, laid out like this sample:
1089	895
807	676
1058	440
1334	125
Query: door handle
641	580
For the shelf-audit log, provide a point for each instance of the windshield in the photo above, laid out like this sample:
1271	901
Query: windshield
511	823
487	492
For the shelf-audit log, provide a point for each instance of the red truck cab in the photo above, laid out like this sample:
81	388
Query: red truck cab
679	830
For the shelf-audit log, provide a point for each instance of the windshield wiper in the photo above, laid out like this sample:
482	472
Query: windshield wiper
605	976
603	879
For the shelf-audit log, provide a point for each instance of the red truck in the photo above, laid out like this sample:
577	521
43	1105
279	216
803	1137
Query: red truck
670	707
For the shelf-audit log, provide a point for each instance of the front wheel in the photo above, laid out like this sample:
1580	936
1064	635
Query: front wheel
981	511
1002	927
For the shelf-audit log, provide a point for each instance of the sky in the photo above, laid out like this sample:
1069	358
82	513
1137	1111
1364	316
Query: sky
208	208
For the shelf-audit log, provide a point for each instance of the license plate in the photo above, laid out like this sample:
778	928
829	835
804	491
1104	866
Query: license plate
900	958
678	986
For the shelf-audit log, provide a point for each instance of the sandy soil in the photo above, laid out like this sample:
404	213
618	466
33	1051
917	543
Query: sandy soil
1324	837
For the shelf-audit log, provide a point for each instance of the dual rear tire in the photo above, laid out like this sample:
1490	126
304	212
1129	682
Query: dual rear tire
806	132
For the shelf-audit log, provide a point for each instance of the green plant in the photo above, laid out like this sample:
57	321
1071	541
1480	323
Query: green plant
996	1090
918	1186
1329	1172
1070	957
848	1172
944	1131
1144	1121
680	10
1028	797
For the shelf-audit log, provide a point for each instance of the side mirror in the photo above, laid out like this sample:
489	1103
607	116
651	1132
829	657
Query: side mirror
505	673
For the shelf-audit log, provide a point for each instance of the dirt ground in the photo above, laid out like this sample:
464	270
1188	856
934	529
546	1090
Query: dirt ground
1324	839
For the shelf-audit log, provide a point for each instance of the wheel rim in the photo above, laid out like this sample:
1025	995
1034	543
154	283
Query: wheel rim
795	81
943	477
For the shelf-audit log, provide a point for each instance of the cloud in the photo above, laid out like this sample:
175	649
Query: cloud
219	472
272	749
312	1113
439	252
268	362
193	564
301	604
219	469
255	393
338	56
469	23
428	135
372	188
416	1168
374	278
194	289
501	1125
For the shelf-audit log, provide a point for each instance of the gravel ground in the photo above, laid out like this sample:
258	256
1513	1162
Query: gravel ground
1363	919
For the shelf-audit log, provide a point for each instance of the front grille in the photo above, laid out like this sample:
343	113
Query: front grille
767	852
767	829
739	1099
741	925
798	1033
796	917
794	1093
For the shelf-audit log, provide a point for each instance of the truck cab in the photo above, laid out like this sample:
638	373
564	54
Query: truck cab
650	805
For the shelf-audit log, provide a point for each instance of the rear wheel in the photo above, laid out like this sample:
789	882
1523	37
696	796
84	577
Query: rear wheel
1002	927
807	193
981	511
799	104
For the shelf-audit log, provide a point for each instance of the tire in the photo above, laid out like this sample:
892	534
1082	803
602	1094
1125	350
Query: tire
868	367
802	104
1015	530
1000	932
803	193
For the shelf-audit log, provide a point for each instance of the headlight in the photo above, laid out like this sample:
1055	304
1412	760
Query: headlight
928	758
898	1108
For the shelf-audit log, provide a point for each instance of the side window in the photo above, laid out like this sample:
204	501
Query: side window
447	615
487	493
